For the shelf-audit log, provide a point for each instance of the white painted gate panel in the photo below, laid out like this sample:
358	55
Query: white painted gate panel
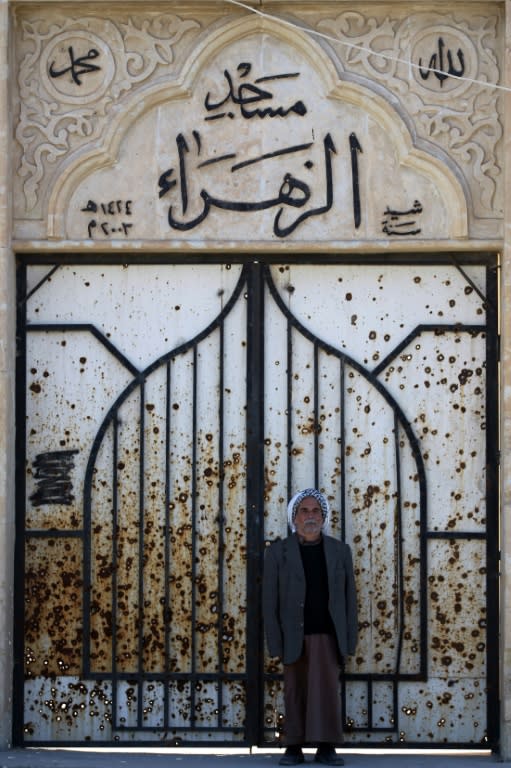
380	392
170	411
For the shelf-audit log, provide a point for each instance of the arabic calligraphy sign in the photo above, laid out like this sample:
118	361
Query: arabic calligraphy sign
443	57
442	69
292	192
77	66
248	96
265	150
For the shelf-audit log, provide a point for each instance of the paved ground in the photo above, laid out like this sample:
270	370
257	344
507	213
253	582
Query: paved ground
64	758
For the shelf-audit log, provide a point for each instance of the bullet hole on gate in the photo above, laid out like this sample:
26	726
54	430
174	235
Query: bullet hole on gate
465	375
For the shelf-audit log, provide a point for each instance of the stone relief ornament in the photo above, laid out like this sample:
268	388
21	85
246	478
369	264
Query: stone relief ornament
71	74
446	53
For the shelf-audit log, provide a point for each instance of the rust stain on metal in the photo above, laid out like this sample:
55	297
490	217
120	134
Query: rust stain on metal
458	613
53	607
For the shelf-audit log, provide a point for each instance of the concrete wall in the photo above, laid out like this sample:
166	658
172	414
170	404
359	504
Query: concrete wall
506	431
7	362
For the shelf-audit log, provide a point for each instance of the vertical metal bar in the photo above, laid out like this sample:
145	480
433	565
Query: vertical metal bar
220	517
370	723
115	534
316	415
289	409
342	680
141	547
492	506
342	404
423	568
395	704
167	608
255	501
87	577
193	643
399	546
20	493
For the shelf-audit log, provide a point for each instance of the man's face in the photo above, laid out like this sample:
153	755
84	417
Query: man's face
309	519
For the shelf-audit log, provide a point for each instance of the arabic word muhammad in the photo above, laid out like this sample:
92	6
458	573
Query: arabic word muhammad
250	98
53	478
293	192
402	223
441	69
113	210
77	66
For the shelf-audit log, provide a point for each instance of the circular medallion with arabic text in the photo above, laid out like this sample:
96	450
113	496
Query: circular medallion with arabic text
77	67
445	60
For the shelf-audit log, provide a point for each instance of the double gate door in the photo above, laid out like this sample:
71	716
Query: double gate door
168	411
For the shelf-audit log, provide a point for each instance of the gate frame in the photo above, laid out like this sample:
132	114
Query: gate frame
255	457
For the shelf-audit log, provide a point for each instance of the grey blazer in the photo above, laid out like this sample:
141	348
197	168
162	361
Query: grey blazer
284	597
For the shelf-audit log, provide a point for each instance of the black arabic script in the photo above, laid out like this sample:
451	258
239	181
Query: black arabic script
437	64
292	192
402	223
250	97
78	67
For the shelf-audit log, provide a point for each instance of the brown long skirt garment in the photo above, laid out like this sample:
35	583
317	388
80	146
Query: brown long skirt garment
311	694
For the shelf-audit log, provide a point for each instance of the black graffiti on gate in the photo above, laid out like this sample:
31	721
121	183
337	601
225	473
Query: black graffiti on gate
52	473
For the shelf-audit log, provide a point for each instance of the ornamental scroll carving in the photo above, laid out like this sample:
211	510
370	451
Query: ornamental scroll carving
460	116
72	73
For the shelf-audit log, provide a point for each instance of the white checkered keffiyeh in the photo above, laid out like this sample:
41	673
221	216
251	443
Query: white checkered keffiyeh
295	502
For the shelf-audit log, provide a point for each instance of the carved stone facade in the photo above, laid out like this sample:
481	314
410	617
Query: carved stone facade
454	114
83	82
219	128
61	111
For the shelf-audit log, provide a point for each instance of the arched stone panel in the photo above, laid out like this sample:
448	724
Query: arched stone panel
364	179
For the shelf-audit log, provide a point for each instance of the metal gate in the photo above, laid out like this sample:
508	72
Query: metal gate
166	413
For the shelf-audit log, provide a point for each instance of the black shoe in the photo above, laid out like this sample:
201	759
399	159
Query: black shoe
292	756
327	755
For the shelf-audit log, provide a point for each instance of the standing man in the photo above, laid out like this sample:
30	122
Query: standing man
310	615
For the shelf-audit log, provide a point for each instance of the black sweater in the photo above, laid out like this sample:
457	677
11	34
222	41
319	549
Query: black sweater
317	618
